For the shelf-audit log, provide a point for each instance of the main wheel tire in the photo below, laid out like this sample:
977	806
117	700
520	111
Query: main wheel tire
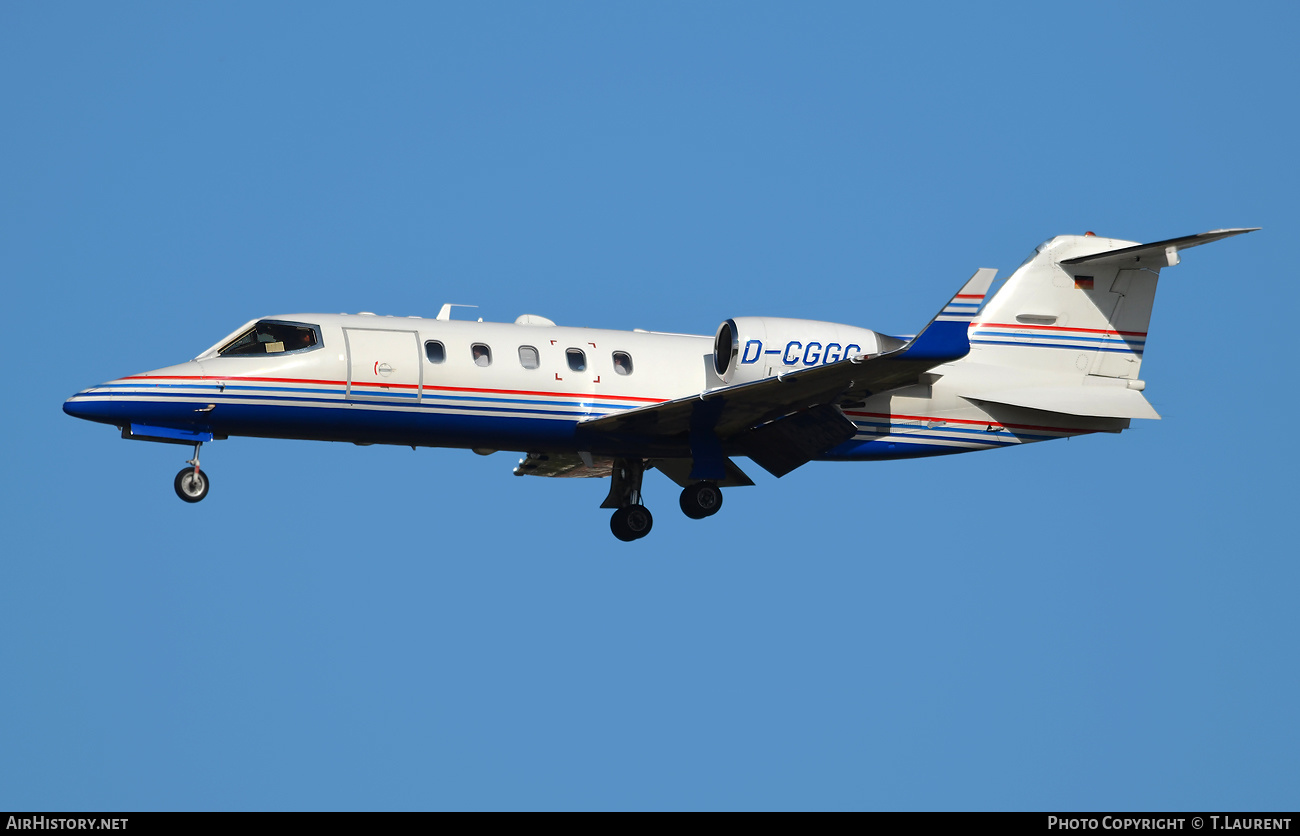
703	499
191	485
631	523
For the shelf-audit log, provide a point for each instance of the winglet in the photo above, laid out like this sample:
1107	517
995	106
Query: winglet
946	337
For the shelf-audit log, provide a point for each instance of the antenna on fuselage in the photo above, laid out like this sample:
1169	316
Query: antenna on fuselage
445	313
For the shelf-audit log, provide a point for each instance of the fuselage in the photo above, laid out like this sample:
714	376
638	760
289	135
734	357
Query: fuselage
412	381
1056	351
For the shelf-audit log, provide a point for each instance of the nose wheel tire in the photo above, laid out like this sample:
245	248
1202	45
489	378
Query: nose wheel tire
631	523
703	499
191	484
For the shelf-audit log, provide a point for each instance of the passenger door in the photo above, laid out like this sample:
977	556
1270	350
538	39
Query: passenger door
383	365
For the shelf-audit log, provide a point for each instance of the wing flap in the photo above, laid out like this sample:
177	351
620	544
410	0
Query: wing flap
790	442
679	470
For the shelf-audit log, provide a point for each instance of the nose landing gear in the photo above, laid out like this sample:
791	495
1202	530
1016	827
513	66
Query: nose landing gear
191	483
631	520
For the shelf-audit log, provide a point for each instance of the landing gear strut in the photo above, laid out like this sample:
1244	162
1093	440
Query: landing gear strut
632	520
700	500
191	483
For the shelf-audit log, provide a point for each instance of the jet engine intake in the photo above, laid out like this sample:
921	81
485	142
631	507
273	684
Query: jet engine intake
749	348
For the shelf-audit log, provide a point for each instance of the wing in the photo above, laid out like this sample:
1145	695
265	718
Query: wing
784	421
586	466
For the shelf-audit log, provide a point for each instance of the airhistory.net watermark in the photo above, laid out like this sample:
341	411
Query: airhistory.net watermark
56	823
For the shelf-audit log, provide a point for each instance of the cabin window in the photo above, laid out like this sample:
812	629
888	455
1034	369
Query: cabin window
435	351
577	359
528	357
267	337
482	354
622	362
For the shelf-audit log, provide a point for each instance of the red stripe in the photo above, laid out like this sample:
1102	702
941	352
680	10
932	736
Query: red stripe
969	296
965	421
398	385
221	377
1061	328
549	394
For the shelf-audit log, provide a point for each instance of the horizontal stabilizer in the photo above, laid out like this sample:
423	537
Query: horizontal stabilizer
1091	401
1157	254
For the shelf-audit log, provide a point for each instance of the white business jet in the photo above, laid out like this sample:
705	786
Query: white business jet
1055	353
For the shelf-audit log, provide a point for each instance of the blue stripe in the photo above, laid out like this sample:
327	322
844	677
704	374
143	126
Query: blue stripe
1111	340
853	450
381	396
425	427
439	429
357	393
291	395
214	388
903	437
339	394
901	429
225	400
1049	345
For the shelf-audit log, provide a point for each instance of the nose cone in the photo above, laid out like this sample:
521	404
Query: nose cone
94	404
155	397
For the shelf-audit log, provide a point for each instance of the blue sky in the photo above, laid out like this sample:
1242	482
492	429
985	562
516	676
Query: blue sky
1102	623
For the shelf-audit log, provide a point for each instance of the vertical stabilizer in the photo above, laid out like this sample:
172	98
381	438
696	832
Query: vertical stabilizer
1079	305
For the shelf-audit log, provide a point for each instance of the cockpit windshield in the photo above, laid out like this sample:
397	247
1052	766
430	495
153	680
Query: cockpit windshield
270	337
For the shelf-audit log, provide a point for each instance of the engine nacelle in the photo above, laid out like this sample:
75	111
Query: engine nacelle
754	347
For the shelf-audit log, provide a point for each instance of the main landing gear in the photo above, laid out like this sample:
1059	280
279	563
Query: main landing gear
700	500
631	523
191	483
632	520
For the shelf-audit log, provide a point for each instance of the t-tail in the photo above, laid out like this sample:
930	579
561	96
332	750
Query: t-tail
1072	323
